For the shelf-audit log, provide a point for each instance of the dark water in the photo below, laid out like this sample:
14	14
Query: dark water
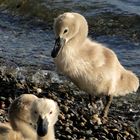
28	43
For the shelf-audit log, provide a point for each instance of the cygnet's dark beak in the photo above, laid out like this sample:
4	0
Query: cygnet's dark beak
42	126
59	43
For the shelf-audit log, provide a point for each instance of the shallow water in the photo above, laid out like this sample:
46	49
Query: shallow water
28	42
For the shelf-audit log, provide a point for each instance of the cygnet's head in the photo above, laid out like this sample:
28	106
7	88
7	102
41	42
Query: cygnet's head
44	114
67	27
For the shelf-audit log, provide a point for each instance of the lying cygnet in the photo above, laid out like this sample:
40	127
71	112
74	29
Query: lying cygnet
33	117
94	68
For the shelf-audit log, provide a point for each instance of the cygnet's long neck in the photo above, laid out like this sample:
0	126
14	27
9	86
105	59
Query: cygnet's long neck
82	33
50	135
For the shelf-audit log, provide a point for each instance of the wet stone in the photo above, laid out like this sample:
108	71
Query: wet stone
89	132
65	109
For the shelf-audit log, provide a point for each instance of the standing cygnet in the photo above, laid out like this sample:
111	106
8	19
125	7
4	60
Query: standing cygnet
33	117
94	68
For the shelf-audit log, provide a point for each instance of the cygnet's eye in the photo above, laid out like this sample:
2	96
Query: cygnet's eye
50	112
65	31
35	112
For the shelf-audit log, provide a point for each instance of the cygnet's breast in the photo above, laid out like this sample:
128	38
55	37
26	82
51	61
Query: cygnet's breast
80	71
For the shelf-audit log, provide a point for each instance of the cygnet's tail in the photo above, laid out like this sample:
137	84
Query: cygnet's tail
127	83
